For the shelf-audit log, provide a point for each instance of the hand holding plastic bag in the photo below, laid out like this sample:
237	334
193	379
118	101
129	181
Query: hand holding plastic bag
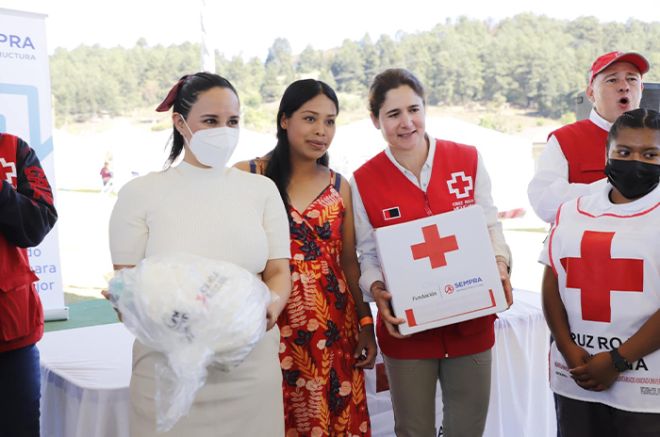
196	311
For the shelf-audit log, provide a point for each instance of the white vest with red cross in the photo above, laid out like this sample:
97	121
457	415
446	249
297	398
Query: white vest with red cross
607	261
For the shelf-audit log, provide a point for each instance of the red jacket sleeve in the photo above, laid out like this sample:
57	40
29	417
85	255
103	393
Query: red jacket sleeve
27	213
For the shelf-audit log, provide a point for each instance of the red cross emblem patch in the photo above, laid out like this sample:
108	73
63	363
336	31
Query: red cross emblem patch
460	185
596	274
7	171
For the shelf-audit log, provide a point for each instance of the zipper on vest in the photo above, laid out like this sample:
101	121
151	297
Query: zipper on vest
427	205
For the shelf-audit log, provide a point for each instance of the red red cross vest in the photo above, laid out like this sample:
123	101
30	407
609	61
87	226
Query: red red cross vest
584	145
21	314
390	198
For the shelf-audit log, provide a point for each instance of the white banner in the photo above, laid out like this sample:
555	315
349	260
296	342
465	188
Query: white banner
25	111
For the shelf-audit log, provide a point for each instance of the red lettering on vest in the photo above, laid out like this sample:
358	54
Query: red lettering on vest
597	274
434	247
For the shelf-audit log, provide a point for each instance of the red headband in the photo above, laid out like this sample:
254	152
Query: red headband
166	104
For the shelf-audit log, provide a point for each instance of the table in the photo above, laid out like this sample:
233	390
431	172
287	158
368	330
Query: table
86	371
84	382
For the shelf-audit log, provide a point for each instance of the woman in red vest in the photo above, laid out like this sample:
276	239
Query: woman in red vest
411	179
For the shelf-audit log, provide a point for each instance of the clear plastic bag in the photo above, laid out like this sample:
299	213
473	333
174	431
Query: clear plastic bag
196	311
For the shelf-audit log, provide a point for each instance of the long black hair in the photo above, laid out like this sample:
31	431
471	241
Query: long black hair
636	119
296	95
189	88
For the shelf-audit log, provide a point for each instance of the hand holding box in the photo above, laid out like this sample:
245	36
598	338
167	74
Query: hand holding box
440	269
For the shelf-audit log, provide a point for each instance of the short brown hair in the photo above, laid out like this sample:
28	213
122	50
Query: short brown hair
390	79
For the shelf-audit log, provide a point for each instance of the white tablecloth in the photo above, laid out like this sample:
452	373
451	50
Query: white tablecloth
84	382
85	375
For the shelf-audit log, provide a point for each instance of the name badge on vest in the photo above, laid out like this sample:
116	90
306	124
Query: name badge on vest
392	213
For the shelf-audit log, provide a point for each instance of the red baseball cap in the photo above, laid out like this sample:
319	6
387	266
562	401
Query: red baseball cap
604	61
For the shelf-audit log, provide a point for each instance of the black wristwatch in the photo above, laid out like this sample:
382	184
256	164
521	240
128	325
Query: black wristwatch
620	363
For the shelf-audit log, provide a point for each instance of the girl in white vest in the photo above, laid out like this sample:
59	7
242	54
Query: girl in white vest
601	292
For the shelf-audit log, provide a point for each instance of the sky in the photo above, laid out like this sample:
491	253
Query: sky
248	27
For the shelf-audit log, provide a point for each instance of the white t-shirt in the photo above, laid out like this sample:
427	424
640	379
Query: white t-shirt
223	214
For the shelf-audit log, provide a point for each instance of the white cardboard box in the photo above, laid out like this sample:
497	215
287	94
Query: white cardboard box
440	269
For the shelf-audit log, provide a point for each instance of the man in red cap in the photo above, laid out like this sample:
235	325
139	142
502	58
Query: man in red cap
574	156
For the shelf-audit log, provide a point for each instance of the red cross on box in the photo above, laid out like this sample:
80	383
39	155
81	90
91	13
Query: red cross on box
597	274
434	247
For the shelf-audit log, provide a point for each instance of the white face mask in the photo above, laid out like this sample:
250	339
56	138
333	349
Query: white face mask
213	147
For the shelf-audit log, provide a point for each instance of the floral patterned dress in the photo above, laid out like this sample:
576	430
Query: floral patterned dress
324	394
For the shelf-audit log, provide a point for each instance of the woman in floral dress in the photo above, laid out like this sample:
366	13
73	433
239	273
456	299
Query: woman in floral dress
327	335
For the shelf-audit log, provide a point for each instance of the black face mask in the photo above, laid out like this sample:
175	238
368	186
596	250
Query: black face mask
633	179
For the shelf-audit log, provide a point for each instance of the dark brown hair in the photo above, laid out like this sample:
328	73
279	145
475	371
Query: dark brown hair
390	79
